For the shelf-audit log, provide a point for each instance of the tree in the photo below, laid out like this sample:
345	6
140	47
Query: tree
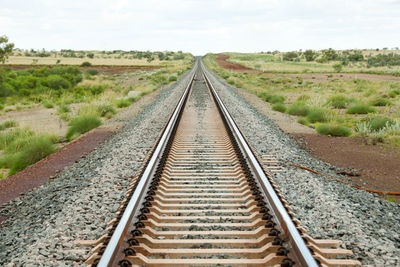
5	48
329	54
309	55
290	56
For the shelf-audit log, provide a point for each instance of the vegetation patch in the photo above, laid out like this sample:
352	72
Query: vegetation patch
279	107
123	103
81	125
360	108
317	115
298	109
333	130
8	124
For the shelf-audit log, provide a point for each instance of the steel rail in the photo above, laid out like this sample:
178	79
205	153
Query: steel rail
284	221
110	254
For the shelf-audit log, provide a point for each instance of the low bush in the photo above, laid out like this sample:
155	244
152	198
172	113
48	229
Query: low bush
298	109
81	125
303	98
123	103
380	101
303	121
338	101
276	99
231	82
279	107
86	64
26	151
8	137
8	124
48	104
333	130
63	109
360	108
264	95
172	79
92	71
106	110
379	123
317	115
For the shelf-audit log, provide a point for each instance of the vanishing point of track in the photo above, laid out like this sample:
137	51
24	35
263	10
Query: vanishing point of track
203	199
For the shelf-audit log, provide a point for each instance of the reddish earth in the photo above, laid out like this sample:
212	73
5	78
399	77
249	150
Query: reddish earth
111	69
40	173
221	60
379	167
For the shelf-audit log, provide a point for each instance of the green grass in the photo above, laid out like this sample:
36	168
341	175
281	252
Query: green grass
380	122
279	107
360	108
8	124
333	130
273	99
106	110
123	103
380	101
298	109
317	115
81	125
303	121
48	104
338	101
63	109
23	152
8	137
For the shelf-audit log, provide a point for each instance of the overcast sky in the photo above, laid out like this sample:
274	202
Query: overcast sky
201	26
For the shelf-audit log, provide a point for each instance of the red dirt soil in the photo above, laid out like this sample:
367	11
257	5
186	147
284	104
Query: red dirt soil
379	166
111	69
40	172
221	60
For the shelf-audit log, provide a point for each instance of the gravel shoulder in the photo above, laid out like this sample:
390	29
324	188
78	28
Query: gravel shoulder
41	226
365	223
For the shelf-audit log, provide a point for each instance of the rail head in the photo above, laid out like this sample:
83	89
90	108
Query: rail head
283	219
110	256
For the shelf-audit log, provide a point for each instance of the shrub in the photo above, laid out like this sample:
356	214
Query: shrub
298	109
91	110
8	124
276	99
123	103
333	130
106	110
81	125
360	108
379	123
303	121
231	82
338	101
86	64
48	104
8	137
380	101
63	109
92	71
26	151
317	115
279	107
172	79
264	95
57	82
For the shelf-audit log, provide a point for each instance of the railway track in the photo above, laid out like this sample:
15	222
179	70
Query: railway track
203	199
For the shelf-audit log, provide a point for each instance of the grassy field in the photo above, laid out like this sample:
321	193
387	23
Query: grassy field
112	58
335	107
357	61
41	107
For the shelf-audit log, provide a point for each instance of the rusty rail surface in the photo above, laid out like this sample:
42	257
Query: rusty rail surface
203	199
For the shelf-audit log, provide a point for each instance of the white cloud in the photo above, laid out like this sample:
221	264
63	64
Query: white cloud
201	26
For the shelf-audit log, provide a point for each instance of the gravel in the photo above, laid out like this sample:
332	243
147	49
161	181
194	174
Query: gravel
78	203
365	223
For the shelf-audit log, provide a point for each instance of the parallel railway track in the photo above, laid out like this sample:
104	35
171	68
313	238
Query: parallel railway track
203	199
